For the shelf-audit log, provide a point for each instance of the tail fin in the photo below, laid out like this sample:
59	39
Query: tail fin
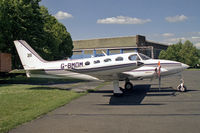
29	58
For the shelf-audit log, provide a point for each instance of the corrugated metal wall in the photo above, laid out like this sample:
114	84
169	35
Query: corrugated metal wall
5	62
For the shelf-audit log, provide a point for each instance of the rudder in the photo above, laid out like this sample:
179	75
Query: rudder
29	58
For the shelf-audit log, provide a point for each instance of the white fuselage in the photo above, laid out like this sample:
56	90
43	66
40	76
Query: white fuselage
95	68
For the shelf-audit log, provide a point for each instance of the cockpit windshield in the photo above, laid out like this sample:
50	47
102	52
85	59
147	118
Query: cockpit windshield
133	57
144	57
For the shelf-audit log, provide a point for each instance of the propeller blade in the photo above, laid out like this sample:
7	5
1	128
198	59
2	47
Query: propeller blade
158	63
158	69
158	74
159	80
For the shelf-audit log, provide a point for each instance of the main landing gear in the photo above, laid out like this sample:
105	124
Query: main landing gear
118	91
128	85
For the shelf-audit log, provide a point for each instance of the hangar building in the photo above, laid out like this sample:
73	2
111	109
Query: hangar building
84	48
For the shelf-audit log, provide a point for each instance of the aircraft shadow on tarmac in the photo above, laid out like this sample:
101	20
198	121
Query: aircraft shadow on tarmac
133	97
139	92
136	96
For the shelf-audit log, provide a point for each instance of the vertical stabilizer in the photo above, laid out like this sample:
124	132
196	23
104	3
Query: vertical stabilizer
29	58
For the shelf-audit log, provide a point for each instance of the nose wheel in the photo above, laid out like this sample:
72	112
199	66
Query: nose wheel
181	87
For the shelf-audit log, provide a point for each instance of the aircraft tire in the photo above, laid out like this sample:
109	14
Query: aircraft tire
182	88
128	86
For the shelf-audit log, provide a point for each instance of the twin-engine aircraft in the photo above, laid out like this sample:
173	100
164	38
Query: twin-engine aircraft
115	68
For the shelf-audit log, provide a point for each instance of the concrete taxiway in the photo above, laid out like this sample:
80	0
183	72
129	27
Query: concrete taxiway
146	109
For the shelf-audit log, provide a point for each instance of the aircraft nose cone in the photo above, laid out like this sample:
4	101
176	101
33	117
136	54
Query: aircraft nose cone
140	63
185	66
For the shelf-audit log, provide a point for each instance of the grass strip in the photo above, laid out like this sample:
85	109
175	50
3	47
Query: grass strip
193	69
23	103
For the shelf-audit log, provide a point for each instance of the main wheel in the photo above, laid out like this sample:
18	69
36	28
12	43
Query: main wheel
128	86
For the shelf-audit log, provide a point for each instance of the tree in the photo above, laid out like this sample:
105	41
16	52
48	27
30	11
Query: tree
186	53
20	19
26	20
56	33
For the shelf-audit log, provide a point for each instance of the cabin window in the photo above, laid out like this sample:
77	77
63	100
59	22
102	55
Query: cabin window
107	60
96	61
119	59
133	57
87	63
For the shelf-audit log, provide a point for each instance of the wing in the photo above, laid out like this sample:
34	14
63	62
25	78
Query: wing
111	72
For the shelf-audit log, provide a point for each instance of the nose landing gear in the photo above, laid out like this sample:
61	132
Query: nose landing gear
181	87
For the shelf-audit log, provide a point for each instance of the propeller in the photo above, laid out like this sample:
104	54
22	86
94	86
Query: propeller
158	70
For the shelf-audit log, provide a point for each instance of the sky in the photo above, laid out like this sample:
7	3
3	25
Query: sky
164	21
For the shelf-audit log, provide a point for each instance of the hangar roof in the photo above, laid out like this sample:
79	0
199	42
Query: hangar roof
129	41
115	42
